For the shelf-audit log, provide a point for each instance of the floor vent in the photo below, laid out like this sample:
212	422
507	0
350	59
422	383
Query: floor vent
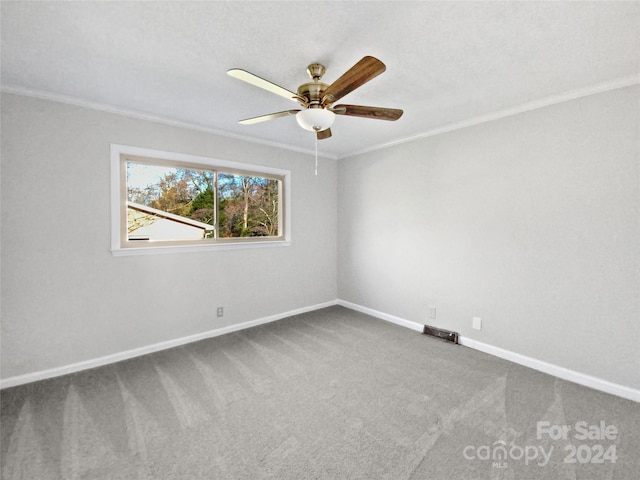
440	333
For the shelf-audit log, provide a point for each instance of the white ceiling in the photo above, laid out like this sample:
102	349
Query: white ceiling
448	63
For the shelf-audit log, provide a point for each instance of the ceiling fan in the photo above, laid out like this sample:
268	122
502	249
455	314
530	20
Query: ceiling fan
317	98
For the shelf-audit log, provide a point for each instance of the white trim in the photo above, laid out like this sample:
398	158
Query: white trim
525	107
116	197
102	107
161	250
555	370
136	352
384	316
545	367
551	369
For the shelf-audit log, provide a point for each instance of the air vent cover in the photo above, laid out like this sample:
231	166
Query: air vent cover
441	334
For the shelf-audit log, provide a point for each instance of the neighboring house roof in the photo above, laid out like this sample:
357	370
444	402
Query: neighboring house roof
170	216
148	223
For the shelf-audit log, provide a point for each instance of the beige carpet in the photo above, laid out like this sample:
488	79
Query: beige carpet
331	394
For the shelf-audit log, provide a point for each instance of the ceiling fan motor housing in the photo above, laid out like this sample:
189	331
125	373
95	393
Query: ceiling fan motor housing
312	91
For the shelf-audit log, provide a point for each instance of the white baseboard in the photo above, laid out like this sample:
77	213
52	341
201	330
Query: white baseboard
555	370
551	369
136	352
384	316
545	367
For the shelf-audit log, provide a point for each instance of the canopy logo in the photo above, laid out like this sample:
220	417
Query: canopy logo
501	453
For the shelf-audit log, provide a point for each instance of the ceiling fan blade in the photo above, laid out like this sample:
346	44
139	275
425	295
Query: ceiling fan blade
368	112
270	116
323	134
356	76
262	83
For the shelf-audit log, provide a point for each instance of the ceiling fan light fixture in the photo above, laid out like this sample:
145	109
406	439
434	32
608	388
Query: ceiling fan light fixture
315	119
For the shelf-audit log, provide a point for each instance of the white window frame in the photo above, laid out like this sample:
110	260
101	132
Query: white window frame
120	154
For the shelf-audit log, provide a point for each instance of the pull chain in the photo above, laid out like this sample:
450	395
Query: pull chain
316	130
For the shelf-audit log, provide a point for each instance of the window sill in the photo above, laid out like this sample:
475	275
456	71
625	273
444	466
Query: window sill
159	250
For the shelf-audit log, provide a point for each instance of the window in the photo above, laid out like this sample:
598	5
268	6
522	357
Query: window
166	202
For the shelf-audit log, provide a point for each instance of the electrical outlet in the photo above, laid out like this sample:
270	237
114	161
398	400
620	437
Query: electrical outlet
220	312
477	323
432	312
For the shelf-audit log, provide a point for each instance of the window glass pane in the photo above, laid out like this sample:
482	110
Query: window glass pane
247	206
169	203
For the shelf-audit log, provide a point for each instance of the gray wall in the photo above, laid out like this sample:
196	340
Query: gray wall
531	222
66	299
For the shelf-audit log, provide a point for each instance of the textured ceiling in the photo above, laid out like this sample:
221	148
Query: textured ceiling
447	62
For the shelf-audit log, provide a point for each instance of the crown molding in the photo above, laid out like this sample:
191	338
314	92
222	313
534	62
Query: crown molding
525	107
78	102
470	122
